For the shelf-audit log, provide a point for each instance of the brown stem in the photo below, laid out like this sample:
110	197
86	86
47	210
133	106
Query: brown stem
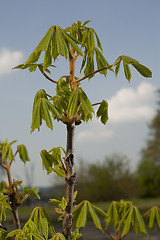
72	60
70	182
109	234
13	203
44	74
13	200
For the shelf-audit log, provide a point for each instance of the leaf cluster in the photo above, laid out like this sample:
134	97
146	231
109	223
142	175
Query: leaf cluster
52	161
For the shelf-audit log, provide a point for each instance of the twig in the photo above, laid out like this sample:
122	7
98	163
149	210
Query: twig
46	76
106	230
94	104
96	71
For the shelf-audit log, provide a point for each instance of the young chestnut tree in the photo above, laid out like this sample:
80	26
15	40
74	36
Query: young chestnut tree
70	105
12	191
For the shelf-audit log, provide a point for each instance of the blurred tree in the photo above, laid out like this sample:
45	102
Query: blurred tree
109	180
149	166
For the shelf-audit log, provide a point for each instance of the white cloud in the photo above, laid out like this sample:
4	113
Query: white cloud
96	133
132	105
127	105
8	60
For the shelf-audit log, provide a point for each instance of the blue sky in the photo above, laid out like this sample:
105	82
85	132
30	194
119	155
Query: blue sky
124	27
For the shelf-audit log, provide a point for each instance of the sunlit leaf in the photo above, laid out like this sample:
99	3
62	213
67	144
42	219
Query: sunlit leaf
95	217
103	111
23	154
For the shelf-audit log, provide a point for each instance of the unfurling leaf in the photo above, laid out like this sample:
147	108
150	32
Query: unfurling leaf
95	217
23	154
103	112
41	111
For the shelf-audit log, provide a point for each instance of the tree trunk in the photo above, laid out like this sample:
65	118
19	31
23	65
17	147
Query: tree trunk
70	182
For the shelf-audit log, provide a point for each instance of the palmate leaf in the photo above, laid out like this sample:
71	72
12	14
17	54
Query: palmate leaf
41	111
47	161
80	214
23	154
103	111
144	71
42	221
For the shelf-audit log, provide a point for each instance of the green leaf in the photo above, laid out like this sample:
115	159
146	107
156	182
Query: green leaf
98	41
62	47
82	218
117	68
23	154
72	41
101	61
128	222
152	218
3	234
158	217
144	71
127	71
60	173
99	210
13	233
42	46
47	57
112	214
86	22
140	222
37	236
73	102
54	201
46	160
95	218
86	105
103	111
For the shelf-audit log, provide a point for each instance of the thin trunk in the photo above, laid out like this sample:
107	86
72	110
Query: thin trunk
70	182
13	200
13	203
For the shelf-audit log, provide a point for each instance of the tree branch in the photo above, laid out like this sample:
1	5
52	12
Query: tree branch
46	76
106	230
4	166
13	158
96	71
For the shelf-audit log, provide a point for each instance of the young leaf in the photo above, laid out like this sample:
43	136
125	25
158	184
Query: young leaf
23	154
127	71
46	160
128	222
42	46
144	71
82	218
47	57
152	216
103	111
99	210
94	216
86	105
140	222
73	102
61	173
